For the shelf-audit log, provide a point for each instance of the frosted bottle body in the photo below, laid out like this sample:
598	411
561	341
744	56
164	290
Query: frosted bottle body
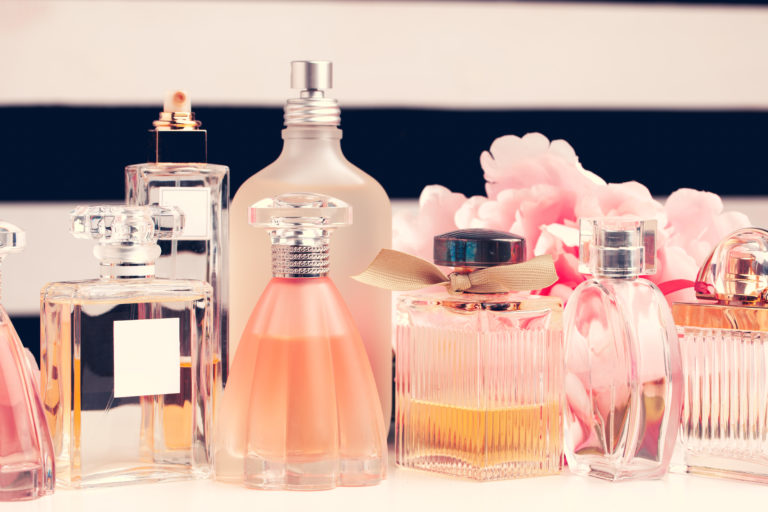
312	161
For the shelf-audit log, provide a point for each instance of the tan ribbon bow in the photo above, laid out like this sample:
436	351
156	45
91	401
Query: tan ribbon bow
395	270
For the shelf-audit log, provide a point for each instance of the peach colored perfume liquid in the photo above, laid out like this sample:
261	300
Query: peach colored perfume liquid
300	410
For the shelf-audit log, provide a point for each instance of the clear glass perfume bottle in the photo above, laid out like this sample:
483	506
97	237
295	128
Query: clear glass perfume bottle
26	452
127	367
300	410
623	376
478	376
725	361
312	160
177	174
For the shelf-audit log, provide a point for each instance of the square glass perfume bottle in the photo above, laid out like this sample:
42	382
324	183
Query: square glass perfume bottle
127	364
724	346
479	372
178	174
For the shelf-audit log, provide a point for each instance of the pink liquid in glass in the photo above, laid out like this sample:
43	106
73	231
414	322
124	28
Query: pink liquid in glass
26	452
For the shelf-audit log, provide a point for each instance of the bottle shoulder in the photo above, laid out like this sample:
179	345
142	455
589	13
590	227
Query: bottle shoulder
633	303
162	169
473	302
139	290
709	315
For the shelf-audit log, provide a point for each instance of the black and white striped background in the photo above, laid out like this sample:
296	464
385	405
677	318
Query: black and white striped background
672	95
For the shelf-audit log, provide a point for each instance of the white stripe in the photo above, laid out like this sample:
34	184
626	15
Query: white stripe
433	54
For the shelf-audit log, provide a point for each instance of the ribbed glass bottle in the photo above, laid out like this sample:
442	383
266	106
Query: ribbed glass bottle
479	385
479	376
725	361
725	409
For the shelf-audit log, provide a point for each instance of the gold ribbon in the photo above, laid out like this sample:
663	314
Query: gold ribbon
395	270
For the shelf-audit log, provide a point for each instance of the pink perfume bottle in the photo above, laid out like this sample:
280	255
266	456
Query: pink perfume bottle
26	451
300	410
623	378
725	361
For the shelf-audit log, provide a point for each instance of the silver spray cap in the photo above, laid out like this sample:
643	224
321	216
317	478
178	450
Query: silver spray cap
617	247
312	78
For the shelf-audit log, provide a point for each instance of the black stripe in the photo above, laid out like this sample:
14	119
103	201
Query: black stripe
78	153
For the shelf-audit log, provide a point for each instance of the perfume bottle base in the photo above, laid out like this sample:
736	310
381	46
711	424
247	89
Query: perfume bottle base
635	470
727	467
458	467
151	473
24	482
312	475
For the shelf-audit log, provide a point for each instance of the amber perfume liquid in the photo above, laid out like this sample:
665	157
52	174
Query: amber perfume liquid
103	440
479	385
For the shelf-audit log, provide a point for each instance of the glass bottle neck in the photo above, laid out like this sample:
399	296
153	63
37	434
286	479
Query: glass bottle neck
119	271
311	141
301	261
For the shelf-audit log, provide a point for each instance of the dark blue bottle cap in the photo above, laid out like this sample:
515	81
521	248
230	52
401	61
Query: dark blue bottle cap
478	248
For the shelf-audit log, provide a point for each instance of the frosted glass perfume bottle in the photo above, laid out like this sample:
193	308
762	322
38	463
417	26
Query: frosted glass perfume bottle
177	174
479	376
623	376
312	161
127	367
26	452
725	361
300	410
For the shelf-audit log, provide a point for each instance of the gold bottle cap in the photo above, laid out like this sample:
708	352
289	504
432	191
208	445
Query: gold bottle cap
736	272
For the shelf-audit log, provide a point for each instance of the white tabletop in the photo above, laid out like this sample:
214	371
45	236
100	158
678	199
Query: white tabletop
410	490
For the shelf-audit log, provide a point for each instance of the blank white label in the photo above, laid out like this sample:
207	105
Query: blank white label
147	357
195	202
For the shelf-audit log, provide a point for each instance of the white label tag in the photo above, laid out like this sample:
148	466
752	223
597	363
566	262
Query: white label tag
147	357
195	202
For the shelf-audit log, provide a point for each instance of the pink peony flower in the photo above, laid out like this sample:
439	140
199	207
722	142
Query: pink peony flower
538	189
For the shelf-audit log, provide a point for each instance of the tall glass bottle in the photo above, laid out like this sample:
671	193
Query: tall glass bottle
725	361
300	410
312	161
127	367
623	378
26	452
479	376
177	174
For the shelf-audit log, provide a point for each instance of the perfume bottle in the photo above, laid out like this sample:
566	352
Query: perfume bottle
177	174
300	410
312	160
26	452
725	361
623	376
127	366
478	376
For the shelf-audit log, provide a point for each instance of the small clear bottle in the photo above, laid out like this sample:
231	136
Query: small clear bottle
26	453
300	410
725	361
623	376
127	366
177	173
478	376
